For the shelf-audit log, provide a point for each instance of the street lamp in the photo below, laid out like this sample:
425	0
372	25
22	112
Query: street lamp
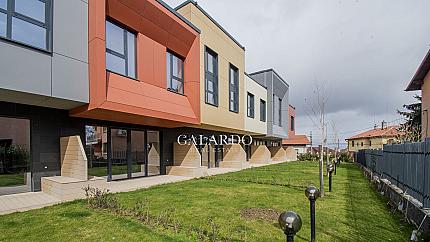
290	223
312	193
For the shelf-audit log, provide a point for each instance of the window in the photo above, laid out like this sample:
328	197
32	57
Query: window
292	123
250	109
262	110
370	143
175	73
280	112
27	22
211	77
361	143
352	143
234	88
120	50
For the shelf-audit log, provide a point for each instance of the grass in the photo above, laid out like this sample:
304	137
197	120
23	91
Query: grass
11	180
352	212
116	170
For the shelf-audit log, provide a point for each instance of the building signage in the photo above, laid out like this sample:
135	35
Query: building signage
200	140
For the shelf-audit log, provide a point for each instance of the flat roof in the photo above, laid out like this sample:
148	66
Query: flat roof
270	70
255	80
209	17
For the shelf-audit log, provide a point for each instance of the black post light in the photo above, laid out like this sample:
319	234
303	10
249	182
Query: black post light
330	172
335	165
290	223
312	193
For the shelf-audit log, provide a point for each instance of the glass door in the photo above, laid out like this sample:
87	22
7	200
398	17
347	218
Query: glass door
138	153
15	175
153	151
119	153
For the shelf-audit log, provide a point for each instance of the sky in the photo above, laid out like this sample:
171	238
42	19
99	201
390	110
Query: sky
363	52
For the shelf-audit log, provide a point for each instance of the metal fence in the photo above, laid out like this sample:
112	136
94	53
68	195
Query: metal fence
405	165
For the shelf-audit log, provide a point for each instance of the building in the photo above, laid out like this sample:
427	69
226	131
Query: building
373	139
420	82
110	86
294	144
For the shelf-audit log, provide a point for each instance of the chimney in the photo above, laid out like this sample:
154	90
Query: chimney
383	125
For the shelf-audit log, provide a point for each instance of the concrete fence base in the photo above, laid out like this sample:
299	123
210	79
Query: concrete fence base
409	206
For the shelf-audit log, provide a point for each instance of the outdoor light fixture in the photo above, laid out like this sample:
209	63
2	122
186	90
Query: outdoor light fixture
312	193
290	223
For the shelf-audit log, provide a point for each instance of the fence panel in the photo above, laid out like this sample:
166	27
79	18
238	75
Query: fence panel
405	165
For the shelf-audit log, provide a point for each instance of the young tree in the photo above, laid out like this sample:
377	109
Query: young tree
411	128
317	104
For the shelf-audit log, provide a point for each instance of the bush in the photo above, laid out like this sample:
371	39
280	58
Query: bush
308	157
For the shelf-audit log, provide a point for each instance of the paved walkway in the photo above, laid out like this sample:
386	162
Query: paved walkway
25	201
33	200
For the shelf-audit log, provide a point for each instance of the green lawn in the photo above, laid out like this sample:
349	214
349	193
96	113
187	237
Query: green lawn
11	180
116	170
352	212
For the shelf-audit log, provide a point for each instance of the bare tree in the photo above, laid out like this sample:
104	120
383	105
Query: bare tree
317	104
335	139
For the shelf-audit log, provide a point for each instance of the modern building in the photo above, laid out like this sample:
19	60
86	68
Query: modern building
96	91
373	139
294	144
420	82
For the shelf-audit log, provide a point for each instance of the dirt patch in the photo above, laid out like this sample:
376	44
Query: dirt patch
266	214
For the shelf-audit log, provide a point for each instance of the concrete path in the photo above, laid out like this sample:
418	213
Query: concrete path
25	201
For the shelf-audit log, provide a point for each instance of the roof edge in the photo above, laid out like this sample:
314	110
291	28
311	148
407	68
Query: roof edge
417	80
272	70
209	17
246	74
167	6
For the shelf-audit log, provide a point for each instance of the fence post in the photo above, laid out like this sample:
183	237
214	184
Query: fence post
425	155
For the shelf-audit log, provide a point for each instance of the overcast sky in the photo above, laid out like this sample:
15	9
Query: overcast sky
364	51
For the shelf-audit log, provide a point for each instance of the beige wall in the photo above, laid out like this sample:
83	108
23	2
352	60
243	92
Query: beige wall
373	143
254	125
228	52
425	91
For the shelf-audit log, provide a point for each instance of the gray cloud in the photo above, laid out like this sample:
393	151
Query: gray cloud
365	51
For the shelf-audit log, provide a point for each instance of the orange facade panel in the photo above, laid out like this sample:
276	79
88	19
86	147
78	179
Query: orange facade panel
144	100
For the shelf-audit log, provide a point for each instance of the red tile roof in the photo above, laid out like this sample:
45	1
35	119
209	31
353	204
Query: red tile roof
390	131
296	140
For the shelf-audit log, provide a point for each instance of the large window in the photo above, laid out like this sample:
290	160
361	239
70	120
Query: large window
250	105
234	88
262	110
211	77
175	73
280	112
27	22
120	50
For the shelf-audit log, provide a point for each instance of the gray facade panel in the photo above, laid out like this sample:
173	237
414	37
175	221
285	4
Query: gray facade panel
275	86
23	69
70	29
58	80
69	79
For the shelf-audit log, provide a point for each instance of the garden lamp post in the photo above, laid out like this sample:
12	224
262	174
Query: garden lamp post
335	166
312	193
290	223
330	172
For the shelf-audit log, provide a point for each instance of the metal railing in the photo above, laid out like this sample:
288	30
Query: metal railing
405	165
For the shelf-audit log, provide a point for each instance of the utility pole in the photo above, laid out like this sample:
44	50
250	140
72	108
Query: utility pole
310	135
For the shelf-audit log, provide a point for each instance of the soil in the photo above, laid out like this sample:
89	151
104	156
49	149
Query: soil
266	214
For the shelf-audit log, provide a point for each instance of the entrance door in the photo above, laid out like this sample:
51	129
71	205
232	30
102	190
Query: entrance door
120	155
153	151
15	175
138	153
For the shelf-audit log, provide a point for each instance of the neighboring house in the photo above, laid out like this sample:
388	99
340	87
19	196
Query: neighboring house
300	143
373	139
421	81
